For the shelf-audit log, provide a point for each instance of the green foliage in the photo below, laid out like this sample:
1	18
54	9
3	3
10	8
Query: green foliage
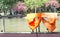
9	2
36	3
4	3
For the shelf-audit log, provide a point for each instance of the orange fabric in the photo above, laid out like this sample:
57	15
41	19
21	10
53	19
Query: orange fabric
32	22
50	26
35	19
50	23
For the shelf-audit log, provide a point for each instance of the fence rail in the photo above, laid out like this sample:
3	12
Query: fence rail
19	25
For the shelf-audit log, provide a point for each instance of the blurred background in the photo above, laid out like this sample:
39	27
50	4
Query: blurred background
13	14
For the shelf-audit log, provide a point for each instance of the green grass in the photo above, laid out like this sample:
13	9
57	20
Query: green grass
21	25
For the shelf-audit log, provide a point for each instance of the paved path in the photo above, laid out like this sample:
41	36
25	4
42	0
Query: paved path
28	35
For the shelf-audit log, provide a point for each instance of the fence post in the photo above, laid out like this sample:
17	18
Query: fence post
3	25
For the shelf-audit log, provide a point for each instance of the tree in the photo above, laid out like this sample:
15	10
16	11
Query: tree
34	3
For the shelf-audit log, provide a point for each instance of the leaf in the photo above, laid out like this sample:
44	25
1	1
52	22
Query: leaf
37	3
